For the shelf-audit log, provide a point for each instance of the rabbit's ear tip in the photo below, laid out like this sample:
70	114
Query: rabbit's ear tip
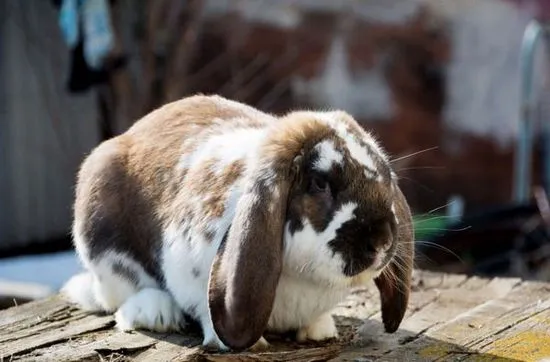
391	325
394	297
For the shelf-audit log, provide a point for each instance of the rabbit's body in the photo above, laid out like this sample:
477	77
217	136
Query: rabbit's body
156	210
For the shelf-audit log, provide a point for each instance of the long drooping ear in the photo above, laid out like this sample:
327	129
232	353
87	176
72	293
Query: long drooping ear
394	283
246	269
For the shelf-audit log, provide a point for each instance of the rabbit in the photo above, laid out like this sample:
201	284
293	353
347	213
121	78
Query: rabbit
241	220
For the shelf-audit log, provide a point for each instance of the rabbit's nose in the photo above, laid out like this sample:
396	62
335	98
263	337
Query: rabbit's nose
382	242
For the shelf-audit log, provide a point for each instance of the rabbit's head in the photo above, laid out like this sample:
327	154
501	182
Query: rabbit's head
320	202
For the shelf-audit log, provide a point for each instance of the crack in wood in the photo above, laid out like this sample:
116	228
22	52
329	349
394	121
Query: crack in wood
477	344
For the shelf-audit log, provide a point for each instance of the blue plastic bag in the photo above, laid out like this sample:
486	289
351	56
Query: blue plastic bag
96	28
68	21
98	34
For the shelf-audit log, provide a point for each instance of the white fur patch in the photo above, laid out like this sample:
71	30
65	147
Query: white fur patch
312	281
321	329
371	175
151	309
79	290
299	301
307	251
328	155
184	161
359	153
226	147
109	289
394	213
103	289
340	217
186	260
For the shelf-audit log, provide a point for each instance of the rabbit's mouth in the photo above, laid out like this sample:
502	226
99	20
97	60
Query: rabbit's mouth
373	262
356	267
370	261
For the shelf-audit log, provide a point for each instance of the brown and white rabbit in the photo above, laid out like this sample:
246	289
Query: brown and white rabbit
242	220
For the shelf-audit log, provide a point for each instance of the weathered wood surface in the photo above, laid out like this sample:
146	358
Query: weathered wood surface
451	318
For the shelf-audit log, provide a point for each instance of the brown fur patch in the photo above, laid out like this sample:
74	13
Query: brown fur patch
158	139
209	235
311	210
126	272
296	132
213	186
107	198
129	188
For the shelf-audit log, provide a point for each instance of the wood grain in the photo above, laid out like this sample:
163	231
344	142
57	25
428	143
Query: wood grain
451	318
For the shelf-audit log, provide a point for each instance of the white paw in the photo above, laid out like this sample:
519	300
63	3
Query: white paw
322	329
111	290
79	290
211	342
260	346
151	309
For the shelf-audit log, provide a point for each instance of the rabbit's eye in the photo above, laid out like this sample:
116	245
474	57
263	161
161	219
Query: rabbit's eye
319	185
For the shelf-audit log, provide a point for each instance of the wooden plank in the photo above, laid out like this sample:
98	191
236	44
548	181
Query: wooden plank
458	337
30	313
529	340
427	287
70	334
66	333
300	355
169	351
92	347
361	320
430	307
46	332
481	318
457	300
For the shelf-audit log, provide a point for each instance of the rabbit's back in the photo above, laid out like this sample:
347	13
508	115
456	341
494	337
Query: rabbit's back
153	205
130	188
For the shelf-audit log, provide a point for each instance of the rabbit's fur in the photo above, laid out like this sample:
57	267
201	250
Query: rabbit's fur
242	220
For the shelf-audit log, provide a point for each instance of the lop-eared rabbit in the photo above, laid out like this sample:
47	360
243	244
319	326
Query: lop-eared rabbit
242	220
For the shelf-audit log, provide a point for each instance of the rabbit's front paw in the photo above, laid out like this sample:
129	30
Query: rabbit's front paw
320	330
212	343
151	309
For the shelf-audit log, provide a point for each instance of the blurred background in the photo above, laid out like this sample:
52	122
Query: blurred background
456	91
